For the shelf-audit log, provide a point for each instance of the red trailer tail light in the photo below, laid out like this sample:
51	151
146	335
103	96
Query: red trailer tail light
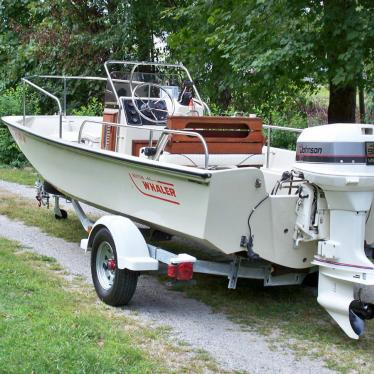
182	271
172	270
185	271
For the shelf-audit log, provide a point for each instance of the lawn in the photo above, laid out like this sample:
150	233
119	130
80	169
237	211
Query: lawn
47	328
51	325
27	211
26	176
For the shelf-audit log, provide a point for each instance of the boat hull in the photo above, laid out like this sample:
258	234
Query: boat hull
211	207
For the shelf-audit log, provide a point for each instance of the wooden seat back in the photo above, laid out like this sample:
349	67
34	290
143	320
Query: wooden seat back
109	133
223	135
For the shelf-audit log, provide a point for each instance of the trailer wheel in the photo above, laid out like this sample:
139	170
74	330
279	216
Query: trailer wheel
113	286
64	214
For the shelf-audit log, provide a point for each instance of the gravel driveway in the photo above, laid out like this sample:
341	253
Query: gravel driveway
190	320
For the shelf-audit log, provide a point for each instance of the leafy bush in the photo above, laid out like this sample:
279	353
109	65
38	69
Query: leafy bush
316	107
11	103
370	107
93	108
286	139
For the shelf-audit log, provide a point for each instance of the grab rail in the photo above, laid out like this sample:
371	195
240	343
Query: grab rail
65	78
47	94
161	142
270	128
62	109
135	64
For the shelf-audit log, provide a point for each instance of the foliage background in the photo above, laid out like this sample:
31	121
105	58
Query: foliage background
11	103
296	63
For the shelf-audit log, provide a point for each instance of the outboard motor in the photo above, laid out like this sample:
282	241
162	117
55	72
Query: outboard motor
337	162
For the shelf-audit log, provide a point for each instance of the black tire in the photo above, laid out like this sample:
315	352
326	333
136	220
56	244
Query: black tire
123	285
311	280
64	214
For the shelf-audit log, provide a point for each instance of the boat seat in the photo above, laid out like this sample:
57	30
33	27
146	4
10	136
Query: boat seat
70	130
231	141
215	160
223	135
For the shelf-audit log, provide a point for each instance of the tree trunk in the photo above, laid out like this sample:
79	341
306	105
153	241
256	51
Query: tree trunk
224	99
361	100
342	104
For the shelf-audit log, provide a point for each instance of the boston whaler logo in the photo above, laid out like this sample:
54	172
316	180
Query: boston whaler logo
156	189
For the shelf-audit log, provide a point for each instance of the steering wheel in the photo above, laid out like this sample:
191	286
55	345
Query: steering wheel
148	107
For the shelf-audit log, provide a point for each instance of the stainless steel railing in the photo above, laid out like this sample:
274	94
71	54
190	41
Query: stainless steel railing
136	64
270	128
45	92
65	78
162	141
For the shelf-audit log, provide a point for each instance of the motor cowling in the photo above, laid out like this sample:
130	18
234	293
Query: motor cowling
339	144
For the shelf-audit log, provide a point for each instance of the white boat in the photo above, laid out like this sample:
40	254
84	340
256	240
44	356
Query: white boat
158	157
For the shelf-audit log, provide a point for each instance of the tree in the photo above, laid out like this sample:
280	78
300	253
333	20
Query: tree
75	37
277	49
191	40
247	54
348	32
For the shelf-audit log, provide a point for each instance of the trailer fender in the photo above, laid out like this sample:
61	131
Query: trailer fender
132	250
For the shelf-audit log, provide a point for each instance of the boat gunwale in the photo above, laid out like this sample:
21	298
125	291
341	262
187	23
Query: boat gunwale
105	154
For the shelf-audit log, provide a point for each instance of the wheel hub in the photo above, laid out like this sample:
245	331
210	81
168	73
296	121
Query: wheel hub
111	264
106	265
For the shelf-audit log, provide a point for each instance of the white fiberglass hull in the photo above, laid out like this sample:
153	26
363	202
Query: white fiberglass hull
211	206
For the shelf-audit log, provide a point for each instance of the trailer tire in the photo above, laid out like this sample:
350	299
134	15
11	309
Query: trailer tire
114	286
64	214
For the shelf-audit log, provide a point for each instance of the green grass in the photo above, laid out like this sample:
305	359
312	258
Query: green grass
46	329
26	176
70	229
50	325
28	212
